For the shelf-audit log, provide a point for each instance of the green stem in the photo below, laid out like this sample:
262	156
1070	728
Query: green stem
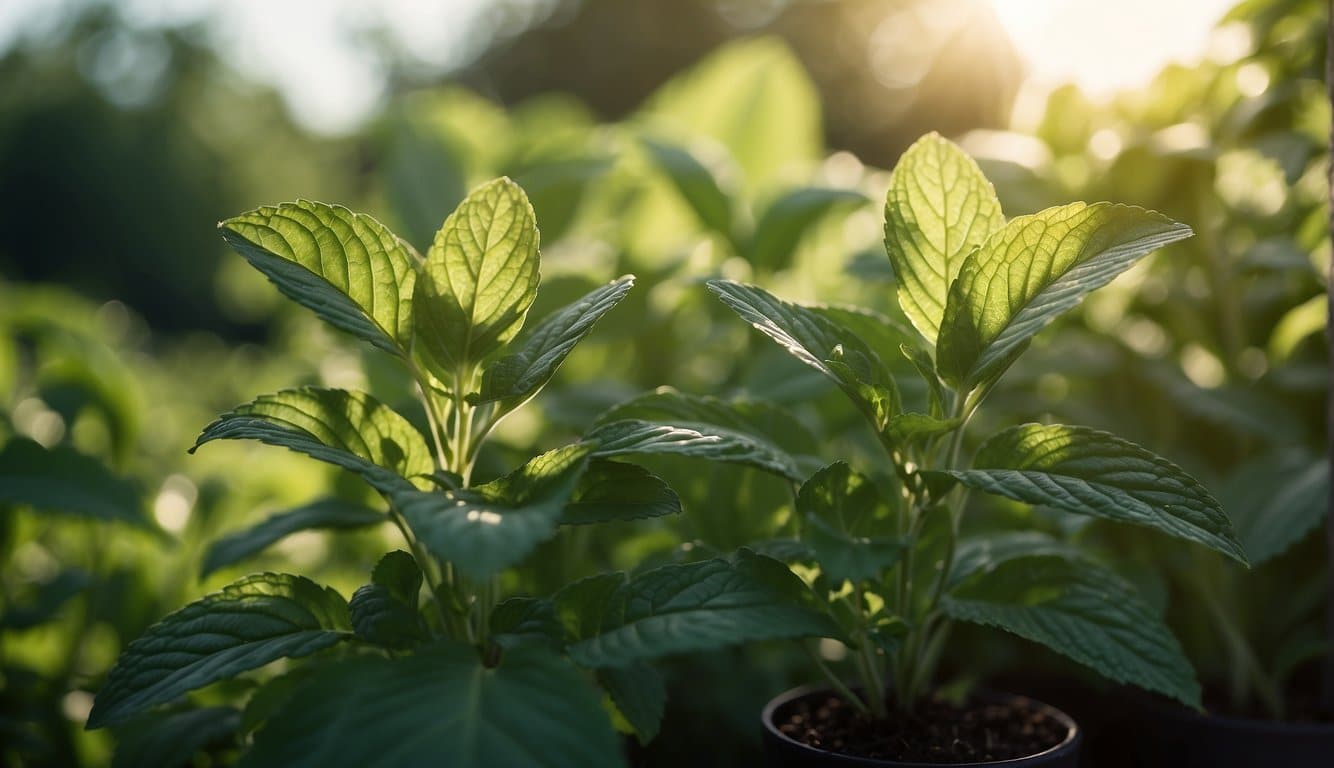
1245	663
835	681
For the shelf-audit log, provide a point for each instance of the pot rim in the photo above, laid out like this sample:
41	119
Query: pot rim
1073	735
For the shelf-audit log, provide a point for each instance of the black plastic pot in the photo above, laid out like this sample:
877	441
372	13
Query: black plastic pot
781	751
1180	738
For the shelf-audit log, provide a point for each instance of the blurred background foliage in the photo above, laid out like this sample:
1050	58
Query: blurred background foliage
679	140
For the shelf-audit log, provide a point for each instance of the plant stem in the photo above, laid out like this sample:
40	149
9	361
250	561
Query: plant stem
1244	661
835	681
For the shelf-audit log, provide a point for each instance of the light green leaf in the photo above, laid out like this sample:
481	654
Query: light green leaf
1031	271
700	183
787	219
62	480
907	428
516	377
640	695
441	704
491	527
246	625
480	277
983	554
1082	611
615	490
351	430
700	606
346	267
1094	473
847	525
814	339
938	209
885	335
173	739
1276	499
1303	320
320	514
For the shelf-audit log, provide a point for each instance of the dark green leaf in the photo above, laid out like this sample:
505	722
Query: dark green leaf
46	600
1031	271
983	554
615	490
632	437
516	377
399	573
847	525
491	527
323	513
1276	500
787	219
1089	472
351	430
1084	612
480	277
172	739
246	625
441	705
938	209
384	612
700	606
520	620
63	480
346	267
640	695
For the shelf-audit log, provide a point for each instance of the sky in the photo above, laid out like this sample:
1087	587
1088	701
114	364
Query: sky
313	51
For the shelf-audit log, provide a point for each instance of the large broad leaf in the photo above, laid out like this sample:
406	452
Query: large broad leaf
615	490
351	430
246	625
938	209
1276	500
700	606
697	181
787	219
1082	611
480	277
640	695
321	514
488	528
1031	271
518	376
1089	472
173	739
983	554
439	706
848	526
384	612
62	480
816	340
666	421
346	267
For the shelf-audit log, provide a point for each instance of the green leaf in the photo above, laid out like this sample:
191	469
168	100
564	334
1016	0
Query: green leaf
43	599
173	739
983	554
640	695
491	527
671	422
346	267
615	490
62	480
699	183
846	525
811	337
787	219
442	704
1032	270
521	620
244	626
580	605
320	514
480	277
351	430
886	336
701	606
516	377
907	428
1095	473
1082	611
939	208
1277	499
384	612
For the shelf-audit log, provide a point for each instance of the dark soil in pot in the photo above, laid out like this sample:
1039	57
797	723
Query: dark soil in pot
811	727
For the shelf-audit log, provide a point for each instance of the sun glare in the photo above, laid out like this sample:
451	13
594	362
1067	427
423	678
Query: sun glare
1106	46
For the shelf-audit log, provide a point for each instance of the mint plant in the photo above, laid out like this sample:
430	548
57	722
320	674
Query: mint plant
884	547
429	661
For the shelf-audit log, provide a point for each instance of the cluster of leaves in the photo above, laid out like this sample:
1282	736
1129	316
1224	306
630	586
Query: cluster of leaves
885	547
428	658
